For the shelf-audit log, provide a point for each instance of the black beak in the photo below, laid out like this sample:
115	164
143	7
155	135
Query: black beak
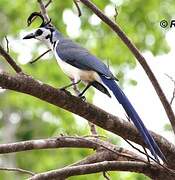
29	36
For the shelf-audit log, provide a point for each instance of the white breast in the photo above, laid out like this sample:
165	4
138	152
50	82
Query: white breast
75	73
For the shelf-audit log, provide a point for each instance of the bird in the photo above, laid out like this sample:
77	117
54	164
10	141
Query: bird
80	65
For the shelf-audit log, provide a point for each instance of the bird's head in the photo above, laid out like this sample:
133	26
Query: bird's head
42	34
45	33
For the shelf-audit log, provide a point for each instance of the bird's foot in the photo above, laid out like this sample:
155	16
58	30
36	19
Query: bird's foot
80	95
83	98
63	89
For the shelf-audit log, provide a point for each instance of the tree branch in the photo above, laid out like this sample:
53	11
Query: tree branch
138	56
108	151
60	142
78	8
8	58
7	44
36	59
17	170
93	129
173	81
43	10
70	142
25	84
140	167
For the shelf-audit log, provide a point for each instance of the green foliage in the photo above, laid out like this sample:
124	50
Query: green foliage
167	127
32	118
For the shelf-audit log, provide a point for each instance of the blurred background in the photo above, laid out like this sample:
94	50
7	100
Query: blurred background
24	118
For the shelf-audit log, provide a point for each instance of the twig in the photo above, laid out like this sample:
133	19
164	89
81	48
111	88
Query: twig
128	118
138	56
173	96
105	175
93	129
149	157
7	42
139	150
78	8
146	153
36	59
172	99
8	58
91	136
116	13
43	10
48	3
17	170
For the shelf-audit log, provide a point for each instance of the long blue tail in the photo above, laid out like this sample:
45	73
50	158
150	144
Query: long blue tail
131	112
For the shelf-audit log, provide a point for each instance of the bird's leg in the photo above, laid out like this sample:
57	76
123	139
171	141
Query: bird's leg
69	85
85	89
75	88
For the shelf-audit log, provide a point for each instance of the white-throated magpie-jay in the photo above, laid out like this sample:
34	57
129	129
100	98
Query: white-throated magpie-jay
79	64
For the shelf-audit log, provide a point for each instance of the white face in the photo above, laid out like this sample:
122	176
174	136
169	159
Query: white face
43	34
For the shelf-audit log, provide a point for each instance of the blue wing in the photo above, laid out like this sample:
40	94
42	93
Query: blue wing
79	57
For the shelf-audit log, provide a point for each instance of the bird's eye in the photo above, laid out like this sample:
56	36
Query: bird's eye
39	32
48	36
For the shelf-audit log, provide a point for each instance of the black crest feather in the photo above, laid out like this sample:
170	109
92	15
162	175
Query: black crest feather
34	15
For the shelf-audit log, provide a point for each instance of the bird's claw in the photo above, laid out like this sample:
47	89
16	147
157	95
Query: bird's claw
82	97
63	89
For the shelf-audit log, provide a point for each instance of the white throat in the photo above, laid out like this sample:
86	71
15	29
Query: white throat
47	43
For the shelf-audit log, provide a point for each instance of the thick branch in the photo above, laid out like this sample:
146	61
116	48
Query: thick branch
63	99
138	56
8	58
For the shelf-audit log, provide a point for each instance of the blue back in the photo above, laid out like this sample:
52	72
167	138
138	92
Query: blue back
79	57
